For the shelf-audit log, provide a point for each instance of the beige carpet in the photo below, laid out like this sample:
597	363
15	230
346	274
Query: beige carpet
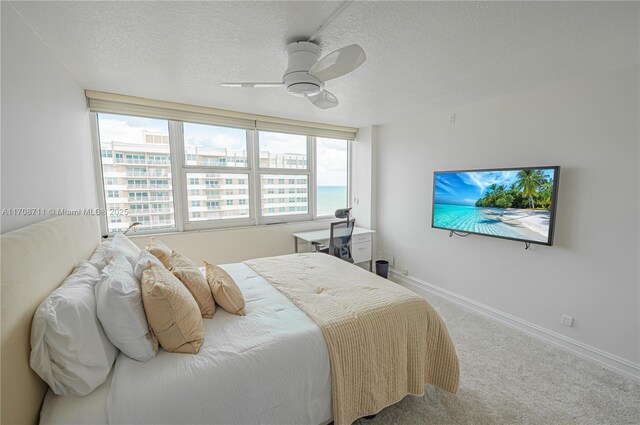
508	377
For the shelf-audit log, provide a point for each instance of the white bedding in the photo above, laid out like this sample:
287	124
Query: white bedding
268	367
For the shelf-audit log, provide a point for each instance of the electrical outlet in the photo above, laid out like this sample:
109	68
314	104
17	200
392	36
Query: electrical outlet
566	320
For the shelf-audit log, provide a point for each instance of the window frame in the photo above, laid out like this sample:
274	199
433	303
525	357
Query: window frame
185	169
180	169
308	172
349	181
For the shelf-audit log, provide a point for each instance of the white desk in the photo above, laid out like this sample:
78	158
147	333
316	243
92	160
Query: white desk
361	242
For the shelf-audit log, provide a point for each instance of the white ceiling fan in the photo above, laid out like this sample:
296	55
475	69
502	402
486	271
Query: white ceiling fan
306	73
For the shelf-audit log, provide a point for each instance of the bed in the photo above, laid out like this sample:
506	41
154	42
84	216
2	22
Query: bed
273	366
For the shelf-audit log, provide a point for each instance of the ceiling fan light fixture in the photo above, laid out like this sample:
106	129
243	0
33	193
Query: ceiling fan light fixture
302	84
304	89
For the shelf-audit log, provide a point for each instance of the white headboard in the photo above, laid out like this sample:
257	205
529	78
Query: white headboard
34	261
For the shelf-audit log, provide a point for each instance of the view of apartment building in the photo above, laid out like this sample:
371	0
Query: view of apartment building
138	179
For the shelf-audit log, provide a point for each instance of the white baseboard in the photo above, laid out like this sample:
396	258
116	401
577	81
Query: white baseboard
610	361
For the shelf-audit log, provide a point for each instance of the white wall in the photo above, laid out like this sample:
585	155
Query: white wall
589	127
223	246
46	147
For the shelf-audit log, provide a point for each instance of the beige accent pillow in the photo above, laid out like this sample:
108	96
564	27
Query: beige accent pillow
171	311
160	250
178	260
192	278
225	291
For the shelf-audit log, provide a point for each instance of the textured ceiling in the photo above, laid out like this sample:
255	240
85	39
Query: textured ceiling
419	54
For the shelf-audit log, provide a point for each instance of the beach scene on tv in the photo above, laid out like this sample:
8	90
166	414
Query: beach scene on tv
510	203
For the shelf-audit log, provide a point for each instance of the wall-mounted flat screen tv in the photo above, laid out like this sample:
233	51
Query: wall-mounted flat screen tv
509	203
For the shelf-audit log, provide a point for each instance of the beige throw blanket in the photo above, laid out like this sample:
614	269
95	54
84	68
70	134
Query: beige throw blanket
384	341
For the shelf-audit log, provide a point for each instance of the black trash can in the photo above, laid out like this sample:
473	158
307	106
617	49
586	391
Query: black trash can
382	268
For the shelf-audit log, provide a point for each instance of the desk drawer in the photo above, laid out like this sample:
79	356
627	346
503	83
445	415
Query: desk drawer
361	238
361	252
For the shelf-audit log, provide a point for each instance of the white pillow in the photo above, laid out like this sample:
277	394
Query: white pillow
69	349
120	310
143	261
83	273
99	256
123	245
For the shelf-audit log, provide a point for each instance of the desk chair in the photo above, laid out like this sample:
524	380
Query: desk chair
339	240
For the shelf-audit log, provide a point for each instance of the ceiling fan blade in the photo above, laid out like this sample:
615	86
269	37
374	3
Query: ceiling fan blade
251	84
338	63
323	100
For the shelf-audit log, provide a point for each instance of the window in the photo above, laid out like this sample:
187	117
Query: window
223	175
136	208
159	184
123	145
279	150
283	162
217	194
332	177
214	146
159	196
157	159
303	204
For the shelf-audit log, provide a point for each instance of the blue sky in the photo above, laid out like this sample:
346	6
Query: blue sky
467	187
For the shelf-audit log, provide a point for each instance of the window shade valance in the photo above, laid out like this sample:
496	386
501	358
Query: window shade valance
120	104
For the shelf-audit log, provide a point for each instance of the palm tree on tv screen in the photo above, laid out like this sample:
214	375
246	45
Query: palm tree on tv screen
528	181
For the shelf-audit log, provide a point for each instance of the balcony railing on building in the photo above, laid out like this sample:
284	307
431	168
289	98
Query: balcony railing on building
155	173
142	161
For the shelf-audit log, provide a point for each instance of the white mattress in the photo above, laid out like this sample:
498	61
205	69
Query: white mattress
270	366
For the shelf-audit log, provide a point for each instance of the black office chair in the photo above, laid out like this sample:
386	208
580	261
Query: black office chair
339	240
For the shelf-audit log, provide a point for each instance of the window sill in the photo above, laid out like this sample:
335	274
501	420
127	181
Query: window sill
150	233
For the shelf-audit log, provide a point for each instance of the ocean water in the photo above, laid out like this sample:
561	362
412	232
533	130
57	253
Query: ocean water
480	220
331	198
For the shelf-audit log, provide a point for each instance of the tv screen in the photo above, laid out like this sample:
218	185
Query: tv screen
509	203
